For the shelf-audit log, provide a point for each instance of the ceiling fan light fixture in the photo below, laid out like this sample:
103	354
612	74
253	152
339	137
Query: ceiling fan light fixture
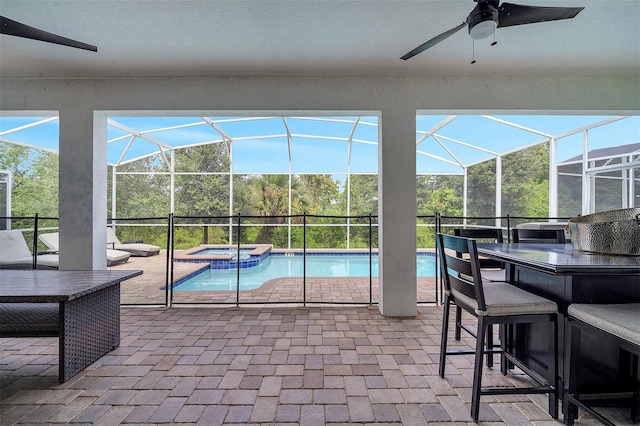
483	20
488	15
482	29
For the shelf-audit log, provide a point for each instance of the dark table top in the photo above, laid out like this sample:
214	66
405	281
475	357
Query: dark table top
43	286
561	259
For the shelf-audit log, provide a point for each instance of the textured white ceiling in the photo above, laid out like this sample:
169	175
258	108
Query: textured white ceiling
147	38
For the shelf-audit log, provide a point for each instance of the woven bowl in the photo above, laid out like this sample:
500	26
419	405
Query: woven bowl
610	232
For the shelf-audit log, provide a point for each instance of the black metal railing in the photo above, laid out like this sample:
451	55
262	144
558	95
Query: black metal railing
239	226
240	222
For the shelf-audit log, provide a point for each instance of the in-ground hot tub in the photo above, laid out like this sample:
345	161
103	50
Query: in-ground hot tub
609	232
225	256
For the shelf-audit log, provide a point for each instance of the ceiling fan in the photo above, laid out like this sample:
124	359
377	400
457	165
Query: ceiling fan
14	28
490	14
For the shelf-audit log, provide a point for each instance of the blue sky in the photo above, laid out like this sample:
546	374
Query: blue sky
319	143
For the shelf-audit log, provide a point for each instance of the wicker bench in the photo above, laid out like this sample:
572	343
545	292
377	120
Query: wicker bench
614	324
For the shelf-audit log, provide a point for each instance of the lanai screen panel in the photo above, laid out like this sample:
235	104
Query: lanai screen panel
621	132
310	155
185	131
426	165
38	132
552	124
364	158
264	155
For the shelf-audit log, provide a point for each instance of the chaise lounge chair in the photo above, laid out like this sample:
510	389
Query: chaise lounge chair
114	257
15	253
135	248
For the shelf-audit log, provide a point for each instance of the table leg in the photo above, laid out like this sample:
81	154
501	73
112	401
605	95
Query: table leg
90	328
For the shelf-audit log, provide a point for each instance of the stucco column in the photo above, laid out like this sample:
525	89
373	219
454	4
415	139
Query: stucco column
397	212
83	190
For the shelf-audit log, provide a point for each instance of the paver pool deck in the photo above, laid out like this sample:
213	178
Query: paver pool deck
149	288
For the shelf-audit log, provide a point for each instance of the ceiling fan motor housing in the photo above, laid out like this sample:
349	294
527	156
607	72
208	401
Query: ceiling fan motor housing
483	19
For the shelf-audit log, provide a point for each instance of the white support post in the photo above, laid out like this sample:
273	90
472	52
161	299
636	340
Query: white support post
632	185
172	200
625	187
586	178
553	178
289	209
498	191
397	212
230	153
114	192
348	189
83	190
465	196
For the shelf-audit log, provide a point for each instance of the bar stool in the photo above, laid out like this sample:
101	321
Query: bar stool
499	303
615	324
492	270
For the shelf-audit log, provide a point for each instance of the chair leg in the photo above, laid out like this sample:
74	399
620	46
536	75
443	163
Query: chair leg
477	369
490	346
458	322
444	334
572	349
504	345
635	401
489	335
553	371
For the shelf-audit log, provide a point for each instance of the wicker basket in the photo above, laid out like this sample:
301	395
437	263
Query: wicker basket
611	232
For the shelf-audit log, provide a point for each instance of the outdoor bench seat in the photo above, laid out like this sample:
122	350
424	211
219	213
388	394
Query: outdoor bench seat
614	324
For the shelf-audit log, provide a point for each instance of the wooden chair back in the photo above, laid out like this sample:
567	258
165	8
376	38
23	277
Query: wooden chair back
540	236
461	270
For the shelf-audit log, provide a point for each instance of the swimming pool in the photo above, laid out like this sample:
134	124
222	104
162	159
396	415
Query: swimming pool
278	266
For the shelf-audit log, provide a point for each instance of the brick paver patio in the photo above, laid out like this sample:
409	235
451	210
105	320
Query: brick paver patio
266	365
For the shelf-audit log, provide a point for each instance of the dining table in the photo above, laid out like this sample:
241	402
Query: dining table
566	275
80	308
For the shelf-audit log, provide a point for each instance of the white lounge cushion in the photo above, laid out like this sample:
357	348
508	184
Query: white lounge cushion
620	320
48	260
14	252
136	249
51	240
506	299
117	256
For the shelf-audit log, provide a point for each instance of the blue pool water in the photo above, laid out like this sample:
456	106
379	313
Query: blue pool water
291	266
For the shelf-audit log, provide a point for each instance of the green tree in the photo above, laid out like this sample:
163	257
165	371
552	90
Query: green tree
440	194
364	202
34	186
437	194
202	194
525	182
364	195
142	189
322	194
570	190
481	190
271	198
